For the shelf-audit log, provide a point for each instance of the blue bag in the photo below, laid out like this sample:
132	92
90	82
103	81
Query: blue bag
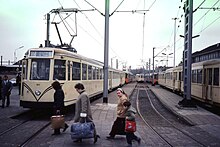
82	130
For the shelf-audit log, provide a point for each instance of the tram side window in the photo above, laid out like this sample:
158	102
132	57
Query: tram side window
94	72
194	76
89	72
24	69
101	74
59	70
216	77
97	73
40	69
69	68
76	71
199	76
84	71
210	76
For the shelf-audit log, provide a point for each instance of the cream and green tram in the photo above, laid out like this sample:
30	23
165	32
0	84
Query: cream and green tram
42	66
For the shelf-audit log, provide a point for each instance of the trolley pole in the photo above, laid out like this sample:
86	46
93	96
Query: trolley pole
106	50
47	41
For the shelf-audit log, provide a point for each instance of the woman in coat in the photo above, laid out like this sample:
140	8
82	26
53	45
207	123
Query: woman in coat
119	123
58	104
83	106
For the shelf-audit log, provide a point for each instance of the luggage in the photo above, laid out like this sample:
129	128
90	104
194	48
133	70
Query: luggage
130	126
82	130
57	121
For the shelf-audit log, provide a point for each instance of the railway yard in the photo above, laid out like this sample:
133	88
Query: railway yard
159	122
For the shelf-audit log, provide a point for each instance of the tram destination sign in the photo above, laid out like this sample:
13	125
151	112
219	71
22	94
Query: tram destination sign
41	54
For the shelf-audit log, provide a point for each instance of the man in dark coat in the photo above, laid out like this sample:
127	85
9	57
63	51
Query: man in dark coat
6	91
58	103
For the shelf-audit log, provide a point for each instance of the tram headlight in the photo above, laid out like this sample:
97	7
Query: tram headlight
37	92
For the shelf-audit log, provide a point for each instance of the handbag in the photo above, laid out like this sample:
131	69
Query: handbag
82	130
57	121
130	126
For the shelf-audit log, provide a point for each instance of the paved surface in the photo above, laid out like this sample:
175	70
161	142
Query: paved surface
199	117
105	114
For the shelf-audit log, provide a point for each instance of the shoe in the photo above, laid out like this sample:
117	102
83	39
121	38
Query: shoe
66	126
96	138
139	140
110	137
55	134
78	140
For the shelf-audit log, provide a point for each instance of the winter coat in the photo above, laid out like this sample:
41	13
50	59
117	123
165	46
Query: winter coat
6	87
130	113
120	108
83	106
58	99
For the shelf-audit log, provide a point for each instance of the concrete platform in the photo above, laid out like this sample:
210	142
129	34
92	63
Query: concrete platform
105	114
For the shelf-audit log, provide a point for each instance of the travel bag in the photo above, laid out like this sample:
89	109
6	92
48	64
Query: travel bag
82	129
57	121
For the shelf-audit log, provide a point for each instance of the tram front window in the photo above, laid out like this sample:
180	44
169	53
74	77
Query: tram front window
59	70
40	69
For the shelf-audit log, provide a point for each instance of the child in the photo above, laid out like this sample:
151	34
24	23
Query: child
130	115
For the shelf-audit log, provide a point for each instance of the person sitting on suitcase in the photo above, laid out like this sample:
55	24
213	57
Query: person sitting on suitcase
58	104
83	106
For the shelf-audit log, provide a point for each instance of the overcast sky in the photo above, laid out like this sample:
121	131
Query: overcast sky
23	23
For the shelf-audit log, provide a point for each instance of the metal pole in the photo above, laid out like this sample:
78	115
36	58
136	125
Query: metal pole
106	50
1	60
149	69
189	54
15	58
187	60
174	44
153	68
47	41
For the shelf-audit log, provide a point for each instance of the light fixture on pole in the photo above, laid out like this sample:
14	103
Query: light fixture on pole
167	56
15	58
174	43
112	61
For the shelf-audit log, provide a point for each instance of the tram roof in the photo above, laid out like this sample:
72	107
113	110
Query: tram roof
63	52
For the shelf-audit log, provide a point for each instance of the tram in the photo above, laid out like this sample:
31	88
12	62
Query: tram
205	81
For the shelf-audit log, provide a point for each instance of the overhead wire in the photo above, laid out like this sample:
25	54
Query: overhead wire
117	8
202	29
204	14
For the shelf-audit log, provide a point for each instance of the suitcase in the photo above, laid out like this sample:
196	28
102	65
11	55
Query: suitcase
57	121
82	130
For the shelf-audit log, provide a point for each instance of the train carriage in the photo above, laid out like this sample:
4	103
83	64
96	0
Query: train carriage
42	66
129	77
205	80
162	78
139	77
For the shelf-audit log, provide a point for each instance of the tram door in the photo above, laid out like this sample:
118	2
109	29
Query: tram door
174	79
207	86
